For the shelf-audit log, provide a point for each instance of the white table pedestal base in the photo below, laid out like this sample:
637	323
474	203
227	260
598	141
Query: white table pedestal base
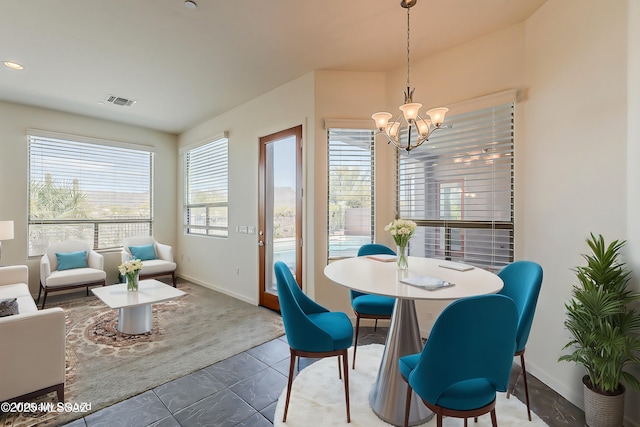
388	395
135	320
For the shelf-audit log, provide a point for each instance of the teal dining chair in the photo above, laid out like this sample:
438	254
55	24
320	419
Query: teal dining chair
366	306
466	360
311	329
522	283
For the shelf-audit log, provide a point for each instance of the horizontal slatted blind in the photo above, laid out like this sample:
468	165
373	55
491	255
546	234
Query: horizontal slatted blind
351	192
458	187
207	195
87	191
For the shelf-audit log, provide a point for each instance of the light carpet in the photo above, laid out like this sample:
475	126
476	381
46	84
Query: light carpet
189	333
317	398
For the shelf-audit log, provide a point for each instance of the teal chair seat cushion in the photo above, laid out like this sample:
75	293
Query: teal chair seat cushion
337	325
408	363
376	305
467	395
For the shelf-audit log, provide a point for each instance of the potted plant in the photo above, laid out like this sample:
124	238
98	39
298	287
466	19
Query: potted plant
605	330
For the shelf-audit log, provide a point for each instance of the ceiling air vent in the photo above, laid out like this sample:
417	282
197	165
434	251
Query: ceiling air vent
117	100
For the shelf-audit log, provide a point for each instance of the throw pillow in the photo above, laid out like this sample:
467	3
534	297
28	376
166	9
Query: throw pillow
8	307
69	260
144	252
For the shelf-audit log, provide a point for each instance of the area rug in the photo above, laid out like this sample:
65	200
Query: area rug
189	333
317	398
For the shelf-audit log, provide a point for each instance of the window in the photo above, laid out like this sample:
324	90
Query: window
458	188
85	189
351	192
207	189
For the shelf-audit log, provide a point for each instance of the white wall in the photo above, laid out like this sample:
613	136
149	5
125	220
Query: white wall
573	179
214	262
632	409
16	119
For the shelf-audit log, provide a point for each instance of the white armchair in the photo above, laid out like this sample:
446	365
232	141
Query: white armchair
157	262
64	266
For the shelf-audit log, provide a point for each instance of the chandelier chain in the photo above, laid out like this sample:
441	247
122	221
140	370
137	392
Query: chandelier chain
408	49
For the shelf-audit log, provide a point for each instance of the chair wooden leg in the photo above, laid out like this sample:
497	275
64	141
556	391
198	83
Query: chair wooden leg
39	292
355	342
439	420
292	362
526	388
339	368
346	384
375	326
407	406
44	298
494	420
60	392
465	422
173	278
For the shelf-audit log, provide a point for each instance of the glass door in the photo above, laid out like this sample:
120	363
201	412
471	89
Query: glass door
280	209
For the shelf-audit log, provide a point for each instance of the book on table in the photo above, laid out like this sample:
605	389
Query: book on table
429	283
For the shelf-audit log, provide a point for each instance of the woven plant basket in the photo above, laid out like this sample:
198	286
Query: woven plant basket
601	410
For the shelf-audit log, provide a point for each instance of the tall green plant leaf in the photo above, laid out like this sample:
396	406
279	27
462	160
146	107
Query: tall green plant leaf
601	319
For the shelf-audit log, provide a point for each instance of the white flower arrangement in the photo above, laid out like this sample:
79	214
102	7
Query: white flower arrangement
130	268
401	230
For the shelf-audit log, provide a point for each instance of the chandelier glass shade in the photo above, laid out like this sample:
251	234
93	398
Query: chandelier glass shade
408	130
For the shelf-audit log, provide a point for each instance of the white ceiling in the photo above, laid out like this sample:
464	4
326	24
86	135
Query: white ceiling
184	66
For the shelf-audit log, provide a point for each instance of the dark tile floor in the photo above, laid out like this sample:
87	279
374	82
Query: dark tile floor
243	391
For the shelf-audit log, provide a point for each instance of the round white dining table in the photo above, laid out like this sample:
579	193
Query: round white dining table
364	274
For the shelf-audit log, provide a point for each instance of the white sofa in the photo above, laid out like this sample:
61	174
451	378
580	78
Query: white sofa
32	341
162	265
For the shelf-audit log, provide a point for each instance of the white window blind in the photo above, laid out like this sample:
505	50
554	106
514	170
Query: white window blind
351	191
458	187
94	192
207	189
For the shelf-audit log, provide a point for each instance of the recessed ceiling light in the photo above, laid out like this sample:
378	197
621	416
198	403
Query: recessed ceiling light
13	65
190	4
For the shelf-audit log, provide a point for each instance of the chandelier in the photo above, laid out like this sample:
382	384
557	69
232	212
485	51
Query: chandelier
400	131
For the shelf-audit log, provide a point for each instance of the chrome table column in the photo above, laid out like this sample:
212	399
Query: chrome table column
388	395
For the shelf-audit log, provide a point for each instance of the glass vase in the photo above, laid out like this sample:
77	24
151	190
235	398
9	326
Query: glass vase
132	281
402	262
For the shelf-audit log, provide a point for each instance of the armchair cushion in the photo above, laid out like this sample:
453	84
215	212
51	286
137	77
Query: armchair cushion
8	307
157	266
19	292
144	253
70	260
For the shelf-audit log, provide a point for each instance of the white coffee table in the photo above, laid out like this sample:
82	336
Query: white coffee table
135	313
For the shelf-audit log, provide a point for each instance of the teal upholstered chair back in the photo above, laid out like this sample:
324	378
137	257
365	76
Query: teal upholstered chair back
522	283
371	249
295	307
472	340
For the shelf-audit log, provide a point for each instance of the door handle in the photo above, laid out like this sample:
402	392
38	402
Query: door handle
260	243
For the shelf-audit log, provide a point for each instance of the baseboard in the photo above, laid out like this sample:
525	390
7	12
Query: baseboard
218	289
